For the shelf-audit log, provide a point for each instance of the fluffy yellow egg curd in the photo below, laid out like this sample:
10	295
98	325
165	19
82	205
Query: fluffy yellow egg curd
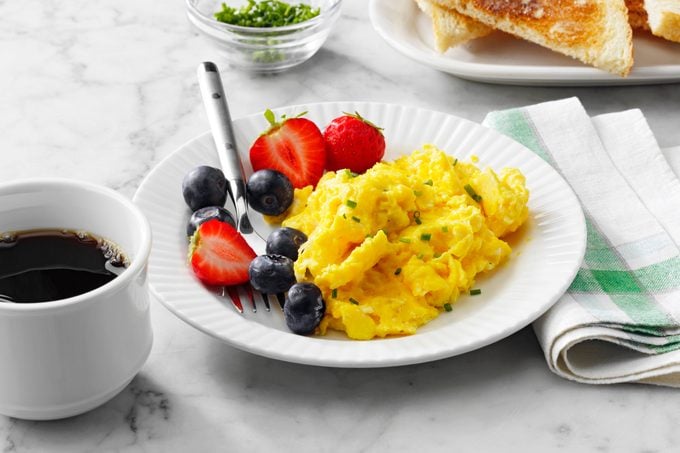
394	247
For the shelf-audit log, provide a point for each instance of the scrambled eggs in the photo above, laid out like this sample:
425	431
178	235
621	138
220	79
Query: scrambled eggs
393	247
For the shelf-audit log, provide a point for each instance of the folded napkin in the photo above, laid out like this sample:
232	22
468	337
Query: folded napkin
619	321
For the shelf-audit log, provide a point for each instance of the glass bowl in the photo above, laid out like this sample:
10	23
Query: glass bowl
264	50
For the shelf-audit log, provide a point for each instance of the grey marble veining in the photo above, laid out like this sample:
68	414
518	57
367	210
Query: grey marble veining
104	90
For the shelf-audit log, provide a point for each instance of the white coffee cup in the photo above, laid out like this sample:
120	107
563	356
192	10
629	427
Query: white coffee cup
65	357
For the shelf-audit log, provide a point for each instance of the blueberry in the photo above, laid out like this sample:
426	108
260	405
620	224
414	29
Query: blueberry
271	274
204	186
269	192
286	241
205	214
304	308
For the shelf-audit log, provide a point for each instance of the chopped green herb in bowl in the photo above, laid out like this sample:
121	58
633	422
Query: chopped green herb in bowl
264	36
266	13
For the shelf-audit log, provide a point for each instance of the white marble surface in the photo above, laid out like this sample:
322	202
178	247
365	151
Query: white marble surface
104	90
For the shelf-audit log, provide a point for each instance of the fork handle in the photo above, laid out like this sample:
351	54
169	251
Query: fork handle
223	133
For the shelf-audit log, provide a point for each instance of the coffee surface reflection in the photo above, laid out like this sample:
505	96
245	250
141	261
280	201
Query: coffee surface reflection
47	265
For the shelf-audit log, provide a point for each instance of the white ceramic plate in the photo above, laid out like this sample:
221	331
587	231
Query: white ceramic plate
499	58
545	258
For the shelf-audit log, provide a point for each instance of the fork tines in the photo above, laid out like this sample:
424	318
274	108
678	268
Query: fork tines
236	299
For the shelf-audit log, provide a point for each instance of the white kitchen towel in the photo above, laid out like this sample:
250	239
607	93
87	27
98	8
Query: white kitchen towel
619	321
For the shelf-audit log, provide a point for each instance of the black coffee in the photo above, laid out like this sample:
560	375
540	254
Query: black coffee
46	265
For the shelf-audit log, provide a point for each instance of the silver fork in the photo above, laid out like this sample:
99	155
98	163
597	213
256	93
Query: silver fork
223	133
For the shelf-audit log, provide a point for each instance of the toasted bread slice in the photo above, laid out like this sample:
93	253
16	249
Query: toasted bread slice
664	18
594	31
451	28
637	16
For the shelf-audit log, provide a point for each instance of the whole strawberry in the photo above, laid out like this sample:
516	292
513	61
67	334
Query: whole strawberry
353	142
293	146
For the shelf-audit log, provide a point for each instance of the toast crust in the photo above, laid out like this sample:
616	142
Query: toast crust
450	27
637	15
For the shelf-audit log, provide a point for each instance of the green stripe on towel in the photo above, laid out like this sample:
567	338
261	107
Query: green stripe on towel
658	277
515	124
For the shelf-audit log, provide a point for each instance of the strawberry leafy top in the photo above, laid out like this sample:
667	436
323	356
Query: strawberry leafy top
361	118
275	125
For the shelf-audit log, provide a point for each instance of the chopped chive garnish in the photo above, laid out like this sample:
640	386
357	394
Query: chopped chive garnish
417	193
356	219
445	229
334	293
428	182
398	271
405	240
437	255
351	203
425	237
455	162
420	256
416	217
354	301
468	188
350	174
447	307
475	292
344	216
266	14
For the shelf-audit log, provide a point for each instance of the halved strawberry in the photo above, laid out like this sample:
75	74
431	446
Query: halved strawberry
219	255
294	146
